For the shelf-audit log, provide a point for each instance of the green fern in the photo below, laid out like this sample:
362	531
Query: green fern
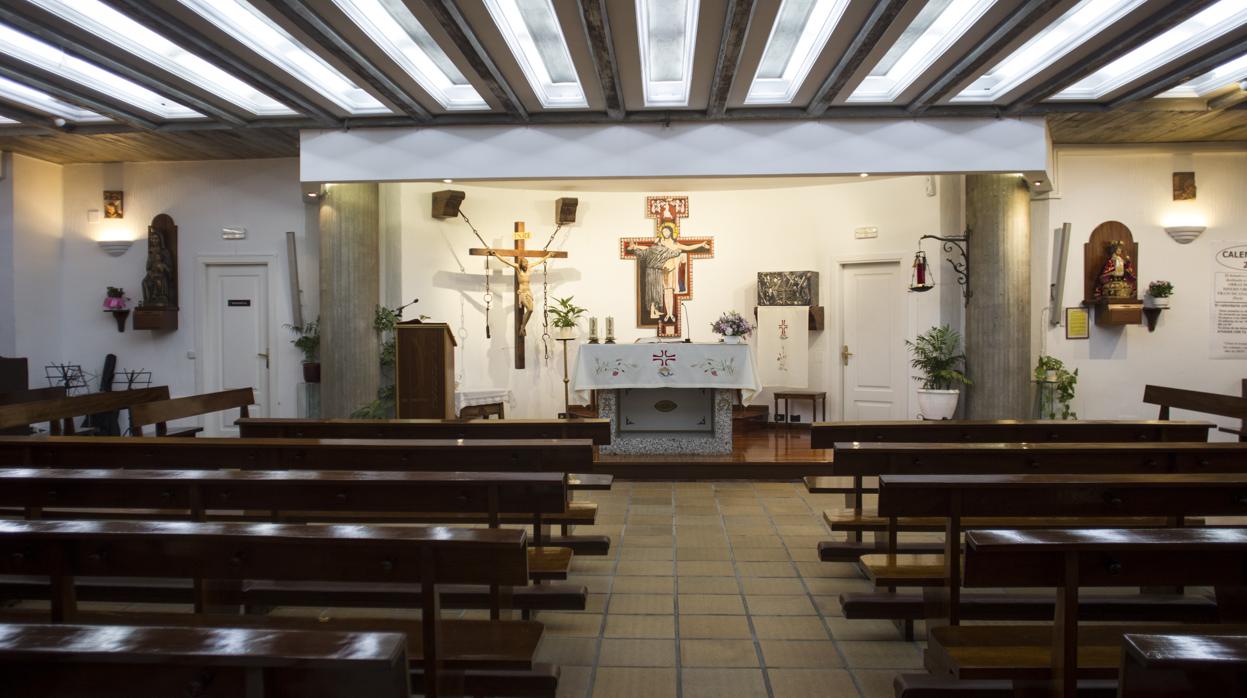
937	356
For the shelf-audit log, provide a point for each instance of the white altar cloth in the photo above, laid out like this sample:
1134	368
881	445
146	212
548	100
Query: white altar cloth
665	365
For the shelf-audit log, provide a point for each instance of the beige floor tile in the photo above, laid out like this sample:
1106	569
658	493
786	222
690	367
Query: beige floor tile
612	682
812	683
870	654
574	681
596	603
696	516
789	627
804	553
876	684
723	683
588	565
695	627
836	585
661	530
703	554
708	585
659	541
704	568
819	654
810	519
766	569
754	540
648	520
862	629
642	604
628	626
718	653
649	653
770	585
711	604
558	623
828	606
773	553
596	584
645	568
567	651
779	605
644	585
627	553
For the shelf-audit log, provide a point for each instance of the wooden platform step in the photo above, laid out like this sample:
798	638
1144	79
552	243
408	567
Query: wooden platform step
922	570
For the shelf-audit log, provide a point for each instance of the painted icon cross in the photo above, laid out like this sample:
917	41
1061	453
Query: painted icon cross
783	329
664	358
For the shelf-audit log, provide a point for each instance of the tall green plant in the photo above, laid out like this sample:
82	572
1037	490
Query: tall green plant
1062	393
308	339
937	356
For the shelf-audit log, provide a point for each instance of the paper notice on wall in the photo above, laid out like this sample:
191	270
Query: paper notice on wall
1228	325
784	346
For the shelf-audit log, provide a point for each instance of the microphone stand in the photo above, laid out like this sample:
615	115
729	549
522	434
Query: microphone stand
688	339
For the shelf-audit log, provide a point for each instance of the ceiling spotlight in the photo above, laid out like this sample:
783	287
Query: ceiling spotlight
1038	183
59	122
863	175
447	181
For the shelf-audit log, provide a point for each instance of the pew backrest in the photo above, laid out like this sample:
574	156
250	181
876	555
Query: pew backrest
829	434
597	430
60	412
19	396
1195	401
161	412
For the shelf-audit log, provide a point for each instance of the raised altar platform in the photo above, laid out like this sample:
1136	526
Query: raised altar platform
666	398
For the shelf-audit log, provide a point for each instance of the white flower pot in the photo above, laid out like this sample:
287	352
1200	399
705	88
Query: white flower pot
1155	302
937	404
565	333
733	339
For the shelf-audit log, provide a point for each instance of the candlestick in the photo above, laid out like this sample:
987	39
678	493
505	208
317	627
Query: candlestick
610	330
593	330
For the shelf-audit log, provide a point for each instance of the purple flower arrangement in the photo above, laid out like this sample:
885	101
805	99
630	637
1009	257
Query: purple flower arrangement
731	324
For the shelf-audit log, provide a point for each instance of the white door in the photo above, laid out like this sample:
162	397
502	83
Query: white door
873	355
235	339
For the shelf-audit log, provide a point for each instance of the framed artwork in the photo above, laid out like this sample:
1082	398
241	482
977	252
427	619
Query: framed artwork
1183	186
1077	323
114	204
664	265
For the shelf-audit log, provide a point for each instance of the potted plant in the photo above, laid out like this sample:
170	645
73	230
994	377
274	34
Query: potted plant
1051	371
732	328
115	302
565	314
937	356
308	342
1158	293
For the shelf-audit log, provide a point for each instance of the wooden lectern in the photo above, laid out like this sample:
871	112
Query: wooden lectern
424	370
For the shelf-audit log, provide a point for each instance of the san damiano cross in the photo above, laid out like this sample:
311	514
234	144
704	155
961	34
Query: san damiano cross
523	280
664	265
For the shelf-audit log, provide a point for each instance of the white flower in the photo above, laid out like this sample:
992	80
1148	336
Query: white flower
727	331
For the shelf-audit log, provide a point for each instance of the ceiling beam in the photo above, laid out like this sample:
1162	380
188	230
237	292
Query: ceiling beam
974	63
735	29
28	117
597	28
315	26
1143	31
73	93
454	23
1238	96
1191	68
864	41
177	31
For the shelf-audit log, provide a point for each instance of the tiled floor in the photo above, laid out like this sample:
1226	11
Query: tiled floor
715	590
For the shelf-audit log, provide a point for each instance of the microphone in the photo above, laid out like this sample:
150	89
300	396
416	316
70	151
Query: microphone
688	339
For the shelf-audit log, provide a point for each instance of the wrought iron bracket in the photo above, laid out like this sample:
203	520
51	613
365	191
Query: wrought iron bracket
961	269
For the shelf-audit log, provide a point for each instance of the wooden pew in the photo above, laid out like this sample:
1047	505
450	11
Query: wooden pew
163	411
307	496
1183	666
1056	656
109	661
445	654
597	430
61	412
1195	401
17	397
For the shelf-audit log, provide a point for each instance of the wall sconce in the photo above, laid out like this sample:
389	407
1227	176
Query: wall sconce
922	279
115	248
1184	234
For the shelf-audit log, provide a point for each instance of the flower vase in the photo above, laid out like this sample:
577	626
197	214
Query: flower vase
732	339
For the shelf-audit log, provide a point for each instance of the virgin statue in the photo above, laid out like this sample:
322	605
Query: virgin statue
1117	278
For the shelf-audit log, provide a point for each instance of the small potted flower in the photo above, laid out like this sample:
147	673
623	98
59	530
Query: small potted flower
308	342
565	314
1158	293
937	357
732	328
116	302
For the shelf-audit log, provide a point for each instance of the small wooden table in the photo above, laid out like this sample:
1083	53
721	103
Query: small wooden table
811	395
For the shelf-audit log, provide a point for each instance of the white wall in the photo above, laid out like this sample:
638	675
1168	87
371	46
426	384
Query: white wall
37	236
1134	186
766	229
8	311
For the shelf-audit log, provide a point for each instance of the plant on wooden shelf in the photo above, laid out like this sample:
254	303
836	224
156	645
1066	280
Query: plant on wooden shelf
308	342
116	302
565	314
937	356
1158	293
732	328
1050	371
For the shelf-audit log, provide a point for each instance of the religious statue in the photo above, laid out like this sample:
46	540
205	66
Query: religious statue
661	261
664	265
1117	278
158	287
524	290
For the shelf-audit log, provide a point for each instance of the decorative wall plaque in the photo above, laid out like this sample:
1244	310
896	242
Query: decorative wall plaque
787	288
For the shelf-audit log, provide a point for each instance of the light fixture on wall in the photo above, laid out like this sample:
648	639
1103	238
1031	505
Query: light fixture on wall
1184	234
115	248
922	280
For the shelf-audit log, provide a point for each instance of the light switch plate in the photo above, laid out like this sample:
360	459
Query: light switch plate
93	215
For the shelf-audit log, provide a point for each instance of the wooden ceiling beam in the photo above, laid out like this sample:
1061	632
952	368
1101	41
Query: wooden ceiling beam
864	41
177	31
465	39
1229	100
1145	30
735	29
1193	67
974	63
329	39
597	29
72	93
39	121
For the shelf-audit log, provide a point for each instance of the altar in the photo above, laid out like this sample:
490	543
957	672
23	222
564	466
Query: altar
667	397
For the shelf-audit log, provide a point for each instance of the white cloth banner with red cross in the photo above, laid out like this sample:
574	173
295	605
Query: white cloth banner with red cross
783	337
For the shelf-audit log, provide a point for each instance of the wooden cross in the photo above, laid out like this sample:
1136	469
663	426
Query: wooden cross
523	288
664	265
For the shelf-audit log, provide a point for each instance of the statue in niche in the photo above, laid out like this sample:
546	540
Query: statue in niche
158	287
1117	278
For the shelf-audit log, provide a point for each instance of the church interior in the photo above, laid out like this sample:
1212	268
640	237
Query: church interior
622	348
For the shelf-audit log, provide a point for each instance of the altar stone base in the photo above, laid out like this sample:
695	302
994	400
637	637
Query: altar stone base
718	442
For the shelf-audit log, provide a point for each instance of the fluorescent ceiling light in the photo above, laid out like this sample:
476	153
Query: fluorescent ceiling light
933	31
1207	26
667	30
46	57
42	102
798	36
392	27
262	35
1217	78
122	31
532	30
1085	20
6	121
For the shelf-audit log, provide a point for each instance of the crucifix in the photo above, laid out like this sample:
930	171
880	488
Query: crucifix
523	273
664	265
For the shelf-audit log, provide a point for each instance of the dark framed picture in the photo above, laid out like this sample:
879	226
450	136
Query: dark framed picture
1077	323
114	204
1183	186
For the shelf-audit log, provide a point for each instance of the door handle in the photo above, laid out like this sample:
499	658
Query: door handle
845	354
264	356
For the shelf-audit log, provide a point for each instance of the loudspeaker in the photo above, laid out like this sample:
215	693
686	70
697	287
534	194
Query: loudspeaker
565	210
446	203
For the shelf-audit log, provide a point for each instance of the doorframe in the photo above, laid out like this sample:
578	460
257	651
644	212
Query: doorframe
202	263
840	263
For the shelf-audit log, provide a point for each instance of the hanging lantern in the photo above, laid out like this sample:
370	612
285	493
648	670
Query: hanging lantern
921	279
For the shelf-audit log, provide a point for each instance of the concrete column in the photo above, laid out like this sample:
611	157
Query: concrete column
349	293
998	317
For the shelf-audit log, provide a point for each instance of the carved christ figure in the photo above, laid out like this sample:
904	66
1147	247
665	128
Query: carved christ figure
523	275
662	262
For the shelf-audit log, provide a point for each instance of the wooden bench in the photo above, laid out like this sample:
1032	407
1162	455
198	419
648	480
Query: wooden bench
18	397
597	430
110	661
161	412
1207	403
1056	656
444	653
60	413
1183	666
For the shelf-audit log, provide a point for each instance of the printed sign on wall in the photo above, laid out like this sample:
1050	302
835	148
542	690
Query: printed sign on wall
1228	336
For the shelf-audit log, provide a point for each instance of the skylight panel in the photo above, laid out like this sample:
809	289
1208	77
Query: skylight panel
262	35
933	31
667	30
5	121
42	102
1204	27
120	30
799	34
392	27
30	50
1217	78
1085	20
533	33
